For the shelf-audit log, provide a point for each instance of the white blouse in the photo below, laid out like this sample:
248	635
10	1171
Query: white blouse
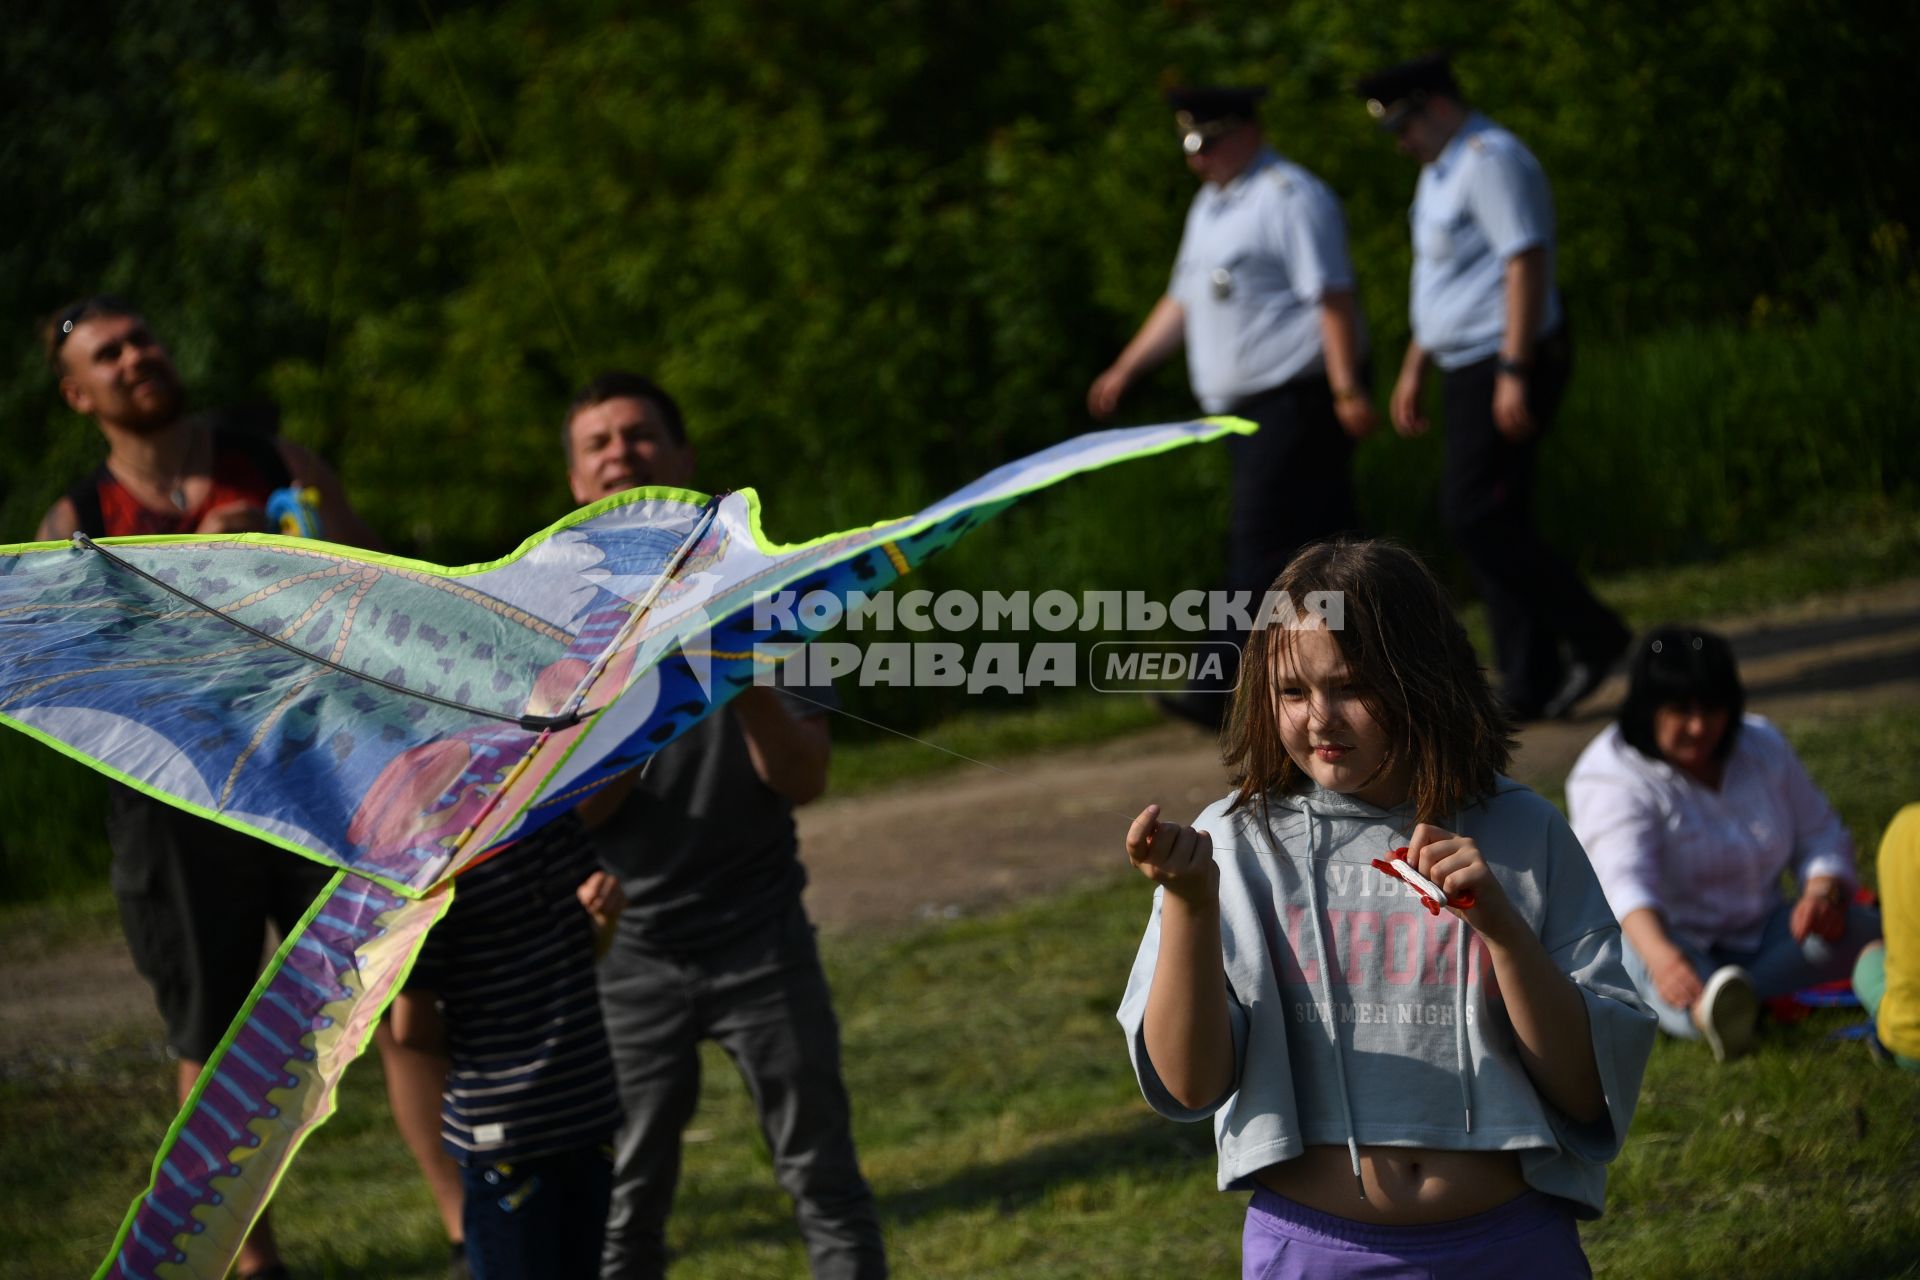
1709	862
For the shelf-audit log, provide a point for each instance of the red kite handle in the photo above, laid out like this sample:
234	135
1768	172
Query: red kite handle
1460	901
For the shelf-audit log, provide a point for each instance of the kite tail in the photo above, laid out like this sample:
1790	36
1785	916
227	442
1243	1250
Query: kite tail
272	1080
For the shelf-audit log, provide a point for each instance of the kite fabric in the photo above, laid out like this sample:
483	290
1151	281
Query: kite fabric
398	720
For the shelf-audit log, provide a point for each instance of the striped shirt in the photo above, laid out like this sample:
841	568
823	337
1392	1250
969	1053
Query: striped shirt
512	964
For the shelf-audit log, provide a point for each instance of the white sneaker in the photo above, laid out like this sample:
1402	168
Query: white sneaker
1727	1011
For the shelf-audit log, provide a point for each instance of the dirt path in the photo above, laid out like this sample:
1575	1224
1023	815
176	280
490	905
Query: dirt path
975	839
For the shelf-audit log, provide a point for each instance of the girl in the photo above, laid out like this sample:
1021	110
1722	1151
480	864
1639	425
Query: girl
1405	1088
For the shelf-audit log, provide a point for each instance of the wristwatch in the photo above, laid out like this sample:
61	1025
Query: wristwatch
1512	368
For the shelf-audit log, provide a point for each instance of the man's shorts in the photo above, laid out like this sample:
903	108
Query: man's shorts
195	898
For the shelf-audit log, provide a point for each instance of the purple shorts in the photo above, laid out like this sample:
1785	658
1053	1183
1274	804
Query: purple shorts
1531	1237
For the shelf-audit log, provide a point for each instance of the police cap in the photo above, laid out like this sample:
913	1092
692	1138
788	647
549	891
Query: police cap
1207	112
1397	92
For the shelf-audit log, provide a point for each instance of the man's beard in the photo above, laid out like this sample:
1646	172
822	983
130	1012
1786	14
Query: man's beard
159	407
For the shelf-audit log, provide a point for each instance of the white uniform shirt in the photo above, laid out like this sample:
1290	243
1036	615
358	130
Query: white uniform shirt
1709	862
1483	201
1255	258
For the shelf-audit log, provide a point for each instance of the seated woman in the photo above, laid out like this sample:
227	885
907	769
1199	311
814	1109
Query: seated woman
1692	813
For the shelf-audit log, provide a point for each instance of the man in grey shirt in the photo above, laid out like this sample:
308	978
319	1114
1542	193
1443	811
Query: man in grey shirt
714	943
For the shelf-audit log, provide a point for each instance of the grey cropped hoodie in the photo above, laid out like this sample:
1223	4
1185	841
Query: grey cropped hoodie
1403	1039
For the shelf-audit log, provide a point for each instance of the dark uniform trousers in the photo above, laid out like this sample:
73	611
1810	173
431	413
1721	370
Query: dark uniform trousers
1535	600
1292	481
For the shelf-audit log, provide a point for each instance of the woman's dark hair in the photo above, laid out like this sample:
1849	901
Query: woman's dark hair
1410	658
1681	667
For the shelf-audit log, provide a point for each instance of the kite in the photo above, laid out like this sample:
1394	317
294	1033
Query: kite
398	721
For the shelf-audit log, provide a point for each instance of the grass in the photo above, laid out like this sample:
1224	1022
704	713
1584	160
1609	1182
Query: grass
1002	1130
1862	548
52	837
34	929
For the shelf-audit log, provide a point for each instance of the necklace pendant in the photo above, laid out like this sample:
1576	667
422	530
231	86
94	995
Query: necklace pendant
179	496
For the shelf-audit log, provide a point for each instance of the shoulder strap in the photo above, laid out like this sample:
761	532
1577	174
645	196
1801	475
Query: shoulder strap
88	518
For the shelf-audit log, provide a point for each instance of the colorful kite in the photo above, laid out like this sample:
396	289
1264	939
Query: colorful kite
398	720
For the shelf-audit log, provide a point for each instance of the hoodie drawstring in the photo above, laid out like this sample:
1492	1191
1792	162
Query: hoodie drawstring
1462	1065
1463	1062
1326	994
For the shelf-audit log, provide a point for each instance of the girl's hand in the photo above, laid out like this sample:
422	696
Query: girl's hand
1177	857
1454	863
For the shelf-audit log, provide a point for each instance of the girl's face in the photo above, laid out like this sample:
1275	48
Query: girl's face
1325	726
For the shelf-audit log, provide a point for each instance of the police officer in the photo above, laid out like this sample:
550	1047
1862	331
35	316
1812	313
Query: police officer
1487	312
1262	298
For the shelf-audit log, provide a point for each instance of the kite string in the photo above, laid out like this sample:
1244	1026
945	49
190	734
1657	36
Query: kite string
1007	773
566	333
572	713
500	187
900	733
330	342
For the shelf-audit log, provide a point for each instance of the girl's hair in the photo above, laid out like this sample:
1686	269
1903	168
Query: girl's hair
1680	667
1415	669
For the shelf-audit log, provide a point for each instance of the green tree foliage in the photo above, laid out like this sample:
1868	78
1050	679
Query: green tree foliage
113	185
882	246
